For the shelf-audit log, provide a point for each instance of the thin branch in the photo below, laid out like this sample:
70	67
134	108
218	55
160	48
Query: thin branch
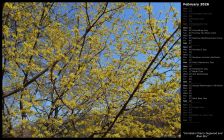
88	19
27	83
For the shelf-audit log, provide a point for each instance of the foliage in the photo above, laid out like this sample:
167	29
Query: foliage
70	69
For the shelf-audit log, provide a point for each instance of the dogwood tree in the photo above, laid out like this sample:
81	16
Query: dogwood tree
90	70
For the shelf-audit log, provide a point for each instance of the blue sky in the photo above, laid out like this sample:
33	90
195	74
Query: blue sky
128	13
157	7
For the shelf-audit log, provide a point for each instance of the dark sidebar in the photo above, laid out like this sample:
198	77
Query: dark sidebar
202	69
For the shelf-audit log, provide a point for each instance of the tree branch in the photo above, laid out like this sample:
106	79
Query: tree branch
138	85
27	83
